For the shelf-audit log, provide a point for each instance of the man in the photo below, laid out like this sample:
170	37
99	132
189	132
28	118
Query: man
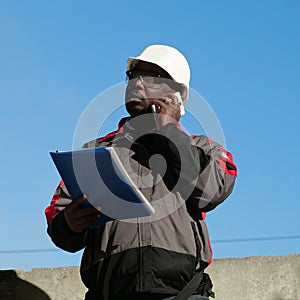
183	177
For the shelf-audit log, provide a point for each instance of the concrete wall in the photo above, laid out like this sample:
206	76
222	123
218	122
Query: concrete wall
266	278
251	278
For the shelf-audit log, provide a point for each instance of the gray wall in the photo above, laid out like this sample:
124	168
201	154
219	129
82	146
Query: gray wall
250	278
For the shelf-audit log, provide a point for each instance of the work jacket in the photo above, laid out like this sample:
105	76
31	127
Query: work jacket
183	177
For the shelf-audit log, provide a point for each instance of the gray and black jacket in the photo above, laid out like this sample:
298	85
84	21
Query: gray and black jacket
160	253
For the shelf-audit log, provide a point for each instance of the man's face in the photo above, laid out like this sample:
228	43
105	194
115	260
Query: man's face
140	93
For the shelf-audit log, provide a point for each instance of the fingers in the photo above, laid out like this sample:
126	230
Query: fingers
167	106
80	218
83	223
77	202
171	98
166	102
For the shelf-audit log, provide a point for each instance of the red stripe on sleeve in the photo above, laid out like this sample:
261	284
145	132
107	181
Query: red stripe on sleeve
50	211
225	161
211	252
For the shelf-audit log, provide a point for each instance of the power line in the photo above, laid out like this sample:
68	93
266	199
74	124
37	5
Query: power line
258	239
28	251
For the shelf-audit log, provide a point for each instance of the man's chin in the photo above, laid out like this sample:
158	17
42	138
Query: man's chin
136	109
136	112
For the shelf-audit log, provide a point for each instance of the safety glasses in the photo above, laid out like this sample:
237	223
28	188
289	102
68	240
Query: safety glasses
144	76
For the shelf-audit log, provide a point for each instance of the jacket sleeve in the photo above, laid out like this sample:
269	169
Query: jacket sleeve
216	181
58	229
203	170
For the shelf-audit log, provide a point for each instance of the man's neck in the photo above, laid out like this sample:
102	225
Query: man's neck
143	124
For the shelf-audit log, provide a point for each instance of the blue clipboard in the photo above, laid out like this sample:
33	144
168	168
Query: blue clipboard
99	173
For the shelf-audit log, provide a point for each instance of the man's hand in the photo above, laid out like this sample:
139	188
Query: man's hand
167	108
78	218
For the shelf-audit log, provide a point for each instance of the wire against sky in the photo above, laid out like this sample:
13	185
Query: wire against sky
258	239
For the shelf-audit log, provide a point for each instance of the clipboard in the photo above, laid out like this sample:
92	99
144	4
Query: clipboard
100	174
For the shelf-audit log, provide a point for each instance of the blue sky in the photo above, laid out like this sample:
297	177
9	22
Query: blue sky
55	57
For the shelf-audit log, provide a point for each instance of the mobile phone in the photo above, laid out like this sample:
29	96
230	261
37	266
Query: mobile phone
153	107
182	110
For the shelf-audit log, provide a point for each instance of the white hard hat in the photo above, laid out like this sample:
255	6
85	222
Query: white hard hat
166	57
